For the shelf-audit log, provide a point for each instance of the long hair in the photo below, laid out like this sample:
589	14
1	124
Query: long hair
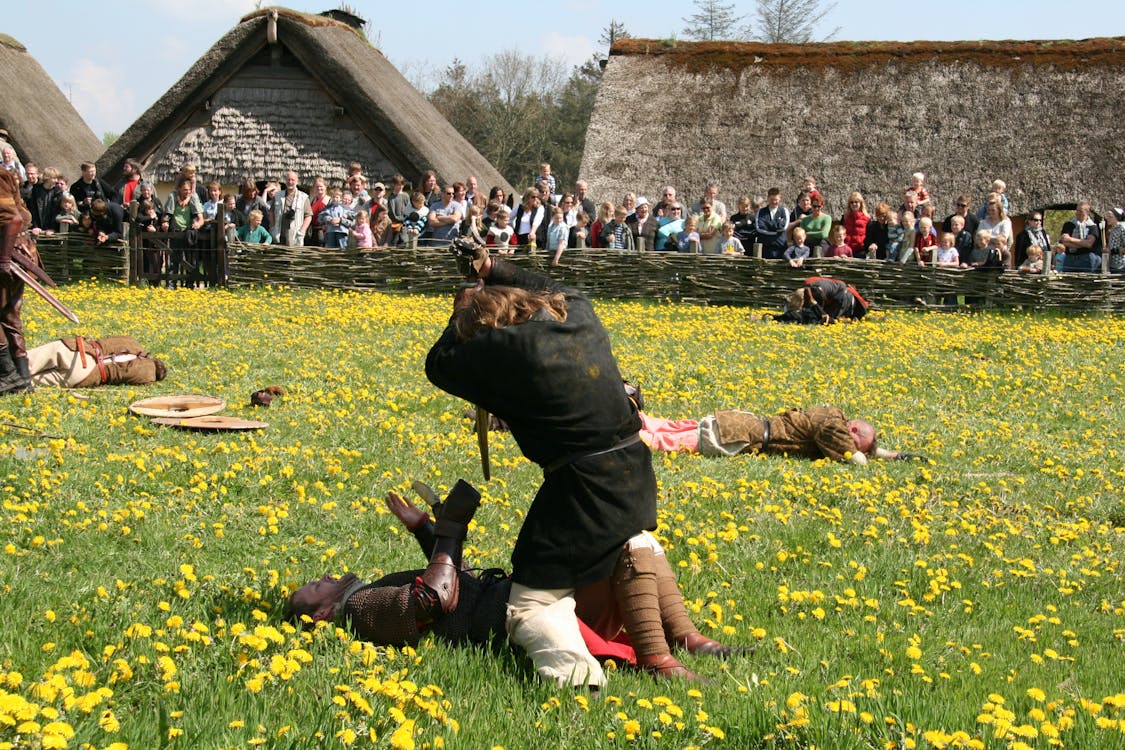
502	306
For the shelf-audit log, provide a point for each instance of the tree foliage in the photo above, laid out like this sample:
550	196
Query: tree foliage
614	31
788	20
519	110
711	21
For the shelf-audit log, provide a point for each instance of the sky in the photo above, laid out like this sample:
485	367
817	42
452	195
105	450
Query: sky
115	58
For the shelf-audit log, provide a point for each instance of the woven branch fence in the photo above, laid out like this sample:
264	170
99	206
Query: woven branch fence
702	279
709	279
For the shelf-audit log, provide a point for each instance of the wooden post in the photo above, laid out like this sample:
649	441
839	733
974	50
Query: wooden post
757	250
695	247
640	244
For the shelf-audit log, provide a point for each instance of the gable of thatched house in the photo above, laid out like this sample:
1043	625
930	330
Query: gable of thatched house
42	124
315	98
1044	116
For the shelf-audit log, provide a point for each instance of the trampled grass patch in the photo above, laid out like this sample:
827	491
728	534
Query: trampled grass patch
975	600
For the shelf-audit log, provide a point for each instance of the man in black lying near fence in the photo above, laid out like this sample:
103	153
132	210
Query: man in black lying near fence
459	606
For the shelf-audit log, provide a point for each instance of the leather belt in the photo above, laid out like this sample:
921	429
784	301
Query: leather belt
571	458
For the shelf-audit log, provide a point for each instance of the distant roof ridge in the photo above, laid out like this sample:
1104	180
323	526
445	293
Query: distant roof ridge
11	41
736	55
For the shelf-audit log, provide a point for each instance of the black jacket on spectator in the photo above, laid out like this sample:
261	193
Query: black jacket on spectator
1026	239
86	192
877	236
44	206
745	230
111	222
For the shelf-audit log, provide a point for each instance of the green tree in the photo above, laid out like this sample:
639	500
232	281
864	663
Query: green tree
614	31
519	110
792	21
108	138
712	20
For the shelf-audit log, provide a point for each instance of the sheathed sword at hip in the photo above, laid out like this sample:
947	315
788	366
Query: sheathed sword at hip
33	284
482	441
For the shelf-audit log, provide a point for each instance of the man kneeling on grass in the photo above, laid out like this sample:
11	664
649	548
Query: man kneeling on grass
458	606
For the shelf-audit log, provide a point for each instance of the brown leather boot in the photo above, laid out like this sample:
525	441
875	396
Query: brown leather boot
665	666
11	380
677	624
436	591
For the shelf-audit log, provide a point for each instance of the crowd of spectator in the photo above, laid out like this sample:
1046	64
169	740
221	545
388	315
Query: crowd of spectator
354	213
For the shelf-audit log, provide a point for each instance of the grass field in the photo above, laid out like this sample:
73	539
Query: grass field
972	601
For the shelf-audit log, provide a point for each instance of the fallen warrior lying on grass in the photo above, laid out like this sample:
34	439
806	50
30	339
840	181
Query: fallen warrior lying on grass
460	606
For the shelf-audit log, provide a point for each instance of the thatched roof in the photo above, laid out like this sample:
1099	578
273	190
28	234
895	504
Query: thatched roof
42	124
1042	115
315	101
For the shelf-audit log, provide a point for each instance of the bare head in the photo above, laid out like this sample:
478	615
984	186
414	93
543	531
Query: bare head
863	433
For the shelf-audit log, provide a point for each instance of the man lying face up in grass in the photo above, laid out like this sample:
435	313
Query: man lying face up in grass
462	606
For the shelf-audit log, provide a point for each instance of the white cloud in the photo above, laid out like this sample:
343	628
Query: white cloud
573	50
102	96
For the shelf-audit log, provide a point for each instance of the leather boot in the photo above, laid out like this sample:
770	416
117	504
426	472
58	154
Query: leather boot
678	626
24	369
11	381
436	591
634	586
665	666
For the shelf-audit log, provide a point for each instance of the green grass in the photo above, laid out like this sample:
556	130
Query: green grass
889	605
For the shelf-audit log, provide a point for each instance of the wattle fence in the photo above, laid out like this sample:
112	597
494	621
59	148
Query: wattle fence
702	279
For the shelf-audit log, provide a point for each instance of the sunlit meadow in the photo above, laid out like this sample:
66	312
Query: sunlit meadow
973	601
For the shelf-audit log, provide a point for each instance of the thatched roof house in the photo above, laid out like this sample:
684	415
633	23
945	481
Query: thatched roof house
1045	116
309	94
42	125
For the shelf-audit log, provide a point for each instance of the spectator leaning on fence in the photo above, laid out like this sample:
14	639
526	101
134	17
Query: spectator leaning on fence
1082	240
292	213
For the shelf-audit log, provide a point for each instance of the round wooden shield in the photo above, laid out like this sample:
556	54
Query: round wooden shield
183	405
211	422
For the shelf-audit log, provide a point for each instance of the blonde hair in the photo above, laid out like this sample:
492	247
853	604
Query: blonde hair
502	306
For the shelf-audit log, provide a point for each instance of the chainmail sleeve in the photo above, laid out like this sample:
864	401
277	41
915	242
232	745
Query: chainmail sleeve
383	612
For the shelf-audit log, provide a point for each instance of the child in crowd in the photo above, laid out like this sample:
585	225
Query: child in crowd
147	219
1034	261
729	244
579	232
837	245
557	234
546	176
998	190
231	216
500	234
925	240
474	225
798	251
337	219
1000	243
809	185
686	237
909	233
895	234
68	213
947	255
252	231
605	215
1060	255
214	201
383	233
918	185
962	237
984	255
415	222
361	231
616	235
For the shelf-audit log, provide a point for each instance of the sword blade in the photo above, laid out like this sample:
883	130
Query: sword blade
482	442
35	286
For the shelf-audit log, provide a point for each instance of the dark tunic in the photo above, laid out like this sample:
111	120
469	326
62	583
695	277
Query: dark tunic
558	387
